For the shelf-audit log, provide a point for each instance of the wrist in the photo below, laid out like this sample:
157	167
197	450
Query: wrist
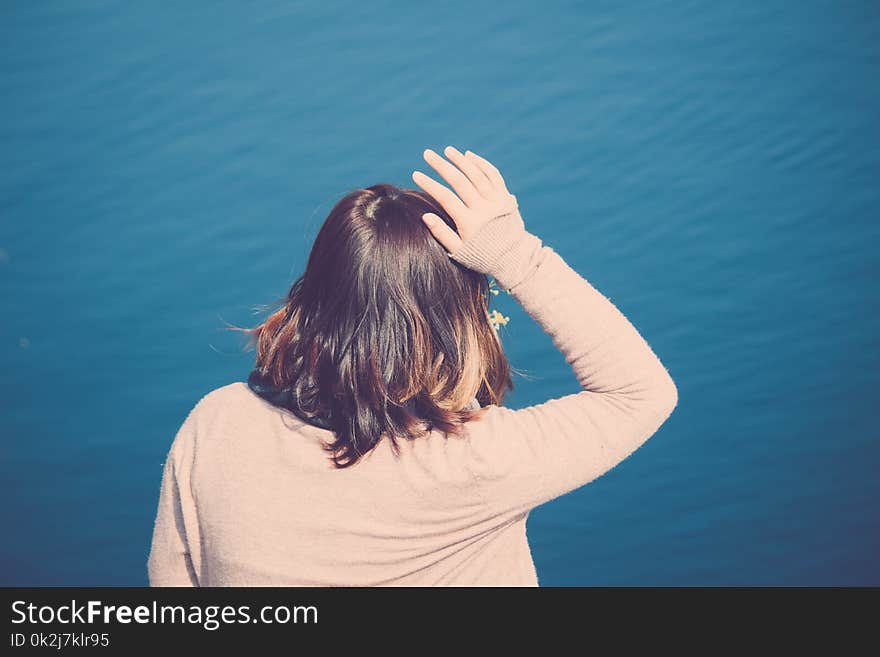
501	248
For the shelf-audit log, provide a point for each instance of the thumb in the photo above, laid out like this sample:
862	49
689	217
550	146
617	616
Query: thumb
442	232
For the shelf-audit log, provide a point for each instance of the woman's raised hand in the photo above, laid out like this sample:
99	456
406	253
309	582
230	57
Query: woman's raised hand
479	195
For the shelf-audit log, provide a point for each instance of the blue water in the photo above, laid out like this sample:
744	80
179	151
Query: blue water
714	168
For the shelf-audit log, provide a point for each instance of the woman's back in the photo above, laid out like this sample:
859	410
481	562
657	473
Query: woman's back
249	496
268	508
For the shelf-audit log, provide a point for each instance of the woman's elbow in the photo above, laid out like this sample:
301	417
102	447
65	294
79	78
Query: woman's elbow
653	399
666	395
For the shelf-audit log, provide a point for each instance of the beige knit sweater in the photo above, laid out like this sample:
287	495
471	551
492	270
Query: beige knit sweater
249	497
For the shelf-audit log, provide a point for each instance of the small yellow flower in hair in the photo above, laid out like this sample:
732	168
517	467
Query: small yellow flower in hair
497	319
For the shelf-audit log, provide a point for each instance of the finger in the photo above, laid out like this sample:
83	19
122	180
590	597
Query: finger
491	171
451	174
471	170
442	232
442	194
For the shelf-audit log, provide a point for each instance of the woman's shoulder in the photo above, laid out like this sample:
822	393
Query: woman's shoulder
214	408
220	399
228	392
224	393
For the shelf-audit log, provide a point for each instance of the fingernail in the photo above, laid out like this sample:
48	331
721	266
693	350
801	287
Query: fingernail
453	149
428	219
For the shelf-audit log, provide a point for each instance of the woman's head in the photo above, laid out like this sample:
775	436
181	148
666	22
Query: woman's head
383	334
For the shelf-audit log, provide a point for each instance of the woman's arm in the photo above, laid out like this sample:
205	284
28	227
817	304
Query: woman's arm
174	551
523	458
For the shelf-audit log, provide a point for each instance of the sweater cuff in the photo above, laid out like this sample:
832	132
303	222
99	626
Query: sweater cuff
503	249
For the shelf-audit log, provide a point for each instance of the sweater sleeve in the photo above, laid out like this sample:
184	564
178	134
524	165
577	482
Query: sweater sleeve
524	458
174	552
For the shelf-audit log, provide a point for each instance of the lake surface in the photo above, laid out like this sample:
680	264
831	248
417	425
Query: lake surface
714	170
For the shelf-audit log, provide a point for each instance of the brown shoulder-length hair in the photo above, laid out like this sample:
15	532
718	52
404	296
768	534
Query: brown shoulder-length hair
383	334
